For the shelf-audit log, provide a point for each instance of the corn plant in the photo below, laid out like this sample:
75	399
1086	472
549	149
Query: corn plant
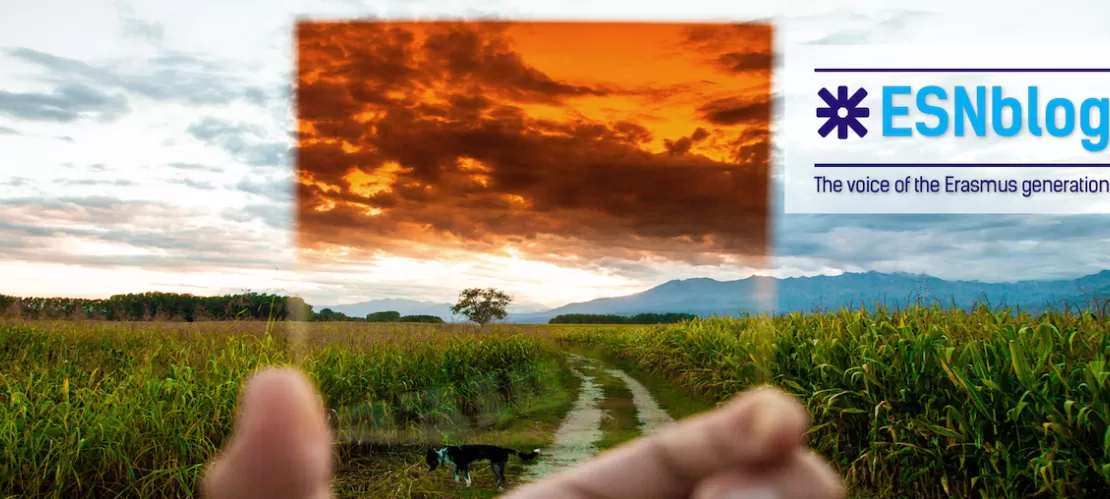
93	409
925	402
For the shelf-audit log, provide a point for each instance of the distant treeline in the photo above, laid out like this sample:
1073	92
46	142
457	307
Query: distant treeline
155	306
668	318
328	314
160	306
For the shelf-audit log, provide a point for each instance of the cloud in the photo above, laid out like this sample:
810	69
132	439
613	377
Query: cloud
479	57
446	136
195	167
68	102
735	111
245	142
93	210
438	209
15	181
870	27
276	216
94	182
273	189
745	61
733	48
103	231
683	145
135	27
168	77
256	96
195	184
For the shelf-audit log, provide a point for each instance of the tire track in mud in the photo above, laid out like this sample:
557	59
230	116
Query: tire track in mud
576	438
652	417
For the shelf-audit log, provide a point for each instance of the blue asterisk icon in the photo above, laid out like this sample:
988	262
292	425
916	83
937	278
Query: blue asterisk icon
843	112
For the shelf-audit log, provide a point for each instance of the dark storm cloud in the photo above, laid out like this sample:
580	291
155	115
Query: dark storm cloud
740	61
572	180
735	48
735	111
683	145
68	102
473	57
751	147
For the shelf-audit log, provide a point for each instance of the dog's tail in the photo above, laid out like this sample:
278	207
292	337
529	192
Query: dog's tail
527	456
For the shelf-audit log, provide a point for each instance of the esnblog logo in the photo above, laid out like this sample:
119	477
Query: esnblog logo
842	112
1008	115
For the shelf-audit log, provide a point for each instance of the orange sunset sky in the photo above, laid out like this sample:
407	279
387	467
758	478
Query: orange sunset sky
561	144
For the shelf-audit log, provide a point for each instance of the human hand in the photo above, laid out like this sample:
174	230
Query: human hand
752	447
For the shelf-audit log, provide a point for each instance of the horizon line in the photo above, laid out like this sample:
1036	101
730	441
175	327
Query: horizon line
618	296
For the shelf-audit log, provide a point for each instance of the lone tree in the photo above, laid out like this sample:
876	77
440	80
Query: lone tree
482	305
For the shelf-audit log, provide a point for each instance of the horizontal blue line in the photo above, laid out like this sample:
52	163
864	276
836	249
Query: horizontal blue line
961	165
961	70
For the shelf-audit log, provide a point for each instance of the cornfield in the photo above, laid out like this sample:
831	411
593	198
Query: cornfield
123	410
926	402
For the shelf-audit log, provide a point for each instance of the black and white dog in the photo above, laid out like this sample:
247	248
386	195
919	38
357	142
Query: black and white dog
462	456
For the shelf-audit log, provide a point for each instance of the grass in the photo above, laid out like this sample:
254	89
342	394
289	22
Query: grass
136	409
924	403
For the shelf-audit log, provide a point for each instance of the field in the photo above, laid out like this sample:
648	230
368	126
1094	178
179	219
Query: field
925	403
928	403
134	409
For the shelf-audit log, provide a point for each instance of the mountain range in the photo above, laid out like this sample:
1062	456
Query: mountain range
705	297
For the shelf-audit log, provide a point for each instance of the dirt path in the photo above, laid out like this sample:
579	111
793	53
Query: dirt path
652	417
576	438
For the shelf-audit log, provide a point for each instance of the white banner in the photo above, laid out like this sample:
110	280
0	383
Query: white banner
946	129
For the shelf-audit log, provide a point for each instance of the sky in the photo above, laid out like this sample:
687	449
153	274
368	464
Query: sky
576	146
150	145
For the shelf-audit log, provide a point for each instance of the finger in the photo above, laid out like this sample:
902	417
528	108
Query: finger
281	445
757	429
806	476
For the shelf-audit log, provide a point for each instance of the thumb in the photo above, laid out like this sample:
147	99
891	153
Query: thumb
758	430
281	445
